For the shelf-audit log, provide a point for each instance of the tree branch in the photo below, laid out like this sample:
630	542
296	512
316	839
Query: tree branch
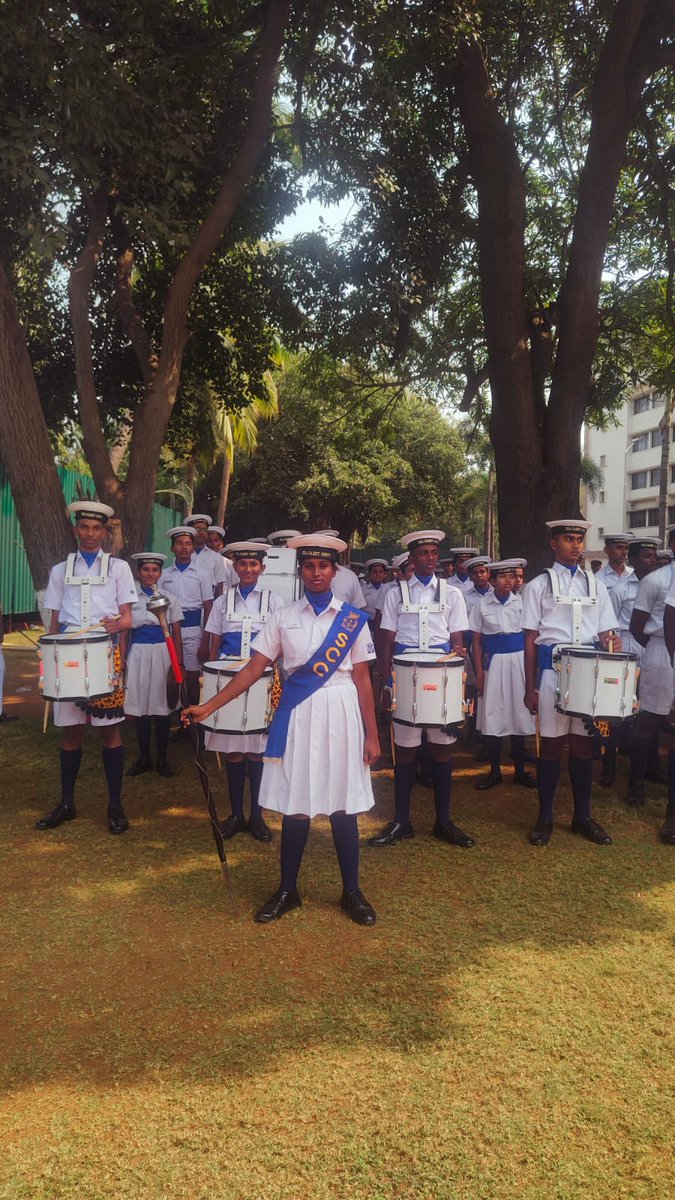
129	315
79	290
473	386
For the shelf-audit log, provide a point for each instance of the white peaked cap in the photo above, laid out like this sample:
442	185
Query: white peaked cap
178	529
197	517
422	537
92	509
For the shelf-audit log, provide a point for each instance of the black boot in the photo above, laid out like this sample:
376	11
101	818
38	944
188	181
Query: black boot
494	747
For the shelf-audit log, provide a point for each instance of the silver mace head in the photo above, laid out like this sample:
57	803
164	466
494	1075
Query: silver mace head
158	602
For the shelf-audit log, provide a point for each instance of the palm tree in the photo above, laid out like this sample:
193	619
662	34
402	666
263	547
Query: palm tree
239	431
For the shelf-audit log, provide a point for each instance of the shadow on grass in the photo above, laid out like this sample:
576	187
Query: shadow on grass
124	958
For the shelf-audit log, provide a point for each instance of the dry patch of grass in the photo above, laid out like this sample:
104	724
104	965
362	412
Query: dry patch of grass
504	1031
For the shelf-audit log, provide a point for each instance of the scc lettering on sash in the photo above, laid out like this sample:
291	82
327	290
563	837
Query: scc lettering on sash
335	652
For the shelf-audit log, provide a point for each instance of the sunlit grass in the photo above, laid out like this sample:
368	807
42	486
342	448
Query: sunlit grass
503	1032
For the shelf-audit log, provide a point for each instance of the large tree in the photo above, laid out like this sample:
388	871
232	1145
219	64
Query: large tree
501	156
130	134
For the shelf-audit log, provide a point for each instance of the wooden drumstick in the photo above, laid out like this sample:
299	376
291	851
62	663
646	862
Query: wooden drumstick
45	720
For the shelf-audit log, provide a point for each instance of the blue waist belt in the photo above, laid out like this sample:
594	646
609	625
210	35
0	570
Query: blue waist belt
230	643
506	643
147	635
191	618
399	648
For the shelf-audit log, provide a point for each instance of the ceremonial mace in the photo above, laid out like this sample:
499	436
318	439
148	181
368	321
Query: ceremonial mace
158	604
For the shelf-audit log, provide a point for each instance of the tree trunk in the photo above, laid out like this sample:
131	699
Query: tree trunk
26	451
224	493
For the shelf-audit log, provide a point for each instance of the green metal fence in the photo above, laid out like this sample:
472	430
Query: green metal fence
17	594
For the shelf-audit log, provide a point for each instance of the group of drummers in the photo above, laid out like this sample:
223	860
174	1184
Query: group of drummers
286	643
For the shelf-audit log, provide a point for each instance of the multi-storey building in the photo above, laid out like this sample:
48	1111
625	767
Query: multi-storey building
629	454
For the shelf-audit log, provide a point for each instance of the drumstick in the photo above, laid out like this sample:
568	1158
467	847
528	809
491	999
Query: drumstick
537	738
45	721
90	628
218	760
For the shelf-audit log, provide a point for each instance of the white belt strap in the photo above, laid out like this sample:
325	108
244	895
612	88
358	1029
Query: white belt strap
578	602
438	605
246	619
85	584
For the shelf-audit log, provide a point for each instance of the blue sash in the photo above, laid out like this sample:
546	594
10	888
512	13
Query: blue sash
311	675
230	643
501	643
192	617
147	635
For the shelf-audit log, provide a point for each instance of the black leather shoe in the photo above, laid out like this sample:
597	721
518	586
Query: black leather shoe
667	832
117	820
590	830
540	835
355	904
140	767
62	812
259	830
277	906
489	781
5	718
393	832
522	779
448	832
232	825
164	770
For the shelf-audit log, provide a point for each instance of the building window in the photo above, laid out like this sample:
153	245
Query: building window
642	518
640	443
655	476
671	514
672	474
639	479
603	460
657	437
602	497
601	531
640	404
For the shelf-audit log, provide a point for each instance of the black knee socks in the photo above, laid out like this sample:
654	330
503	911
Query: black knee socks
143	725
548	773
670	810
70	765
581	775
236	775
494	746
294	833
441	776
405	775
639	758
255	770
345	829
162	725
113	765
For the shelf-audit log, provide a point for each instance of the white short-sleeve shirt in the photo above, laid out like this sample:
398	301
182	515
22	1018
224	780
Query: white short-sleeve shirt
346	586
105	598
651	598
489	615
553	622
191	587
441	624
610	578
250	605
141	616
294	633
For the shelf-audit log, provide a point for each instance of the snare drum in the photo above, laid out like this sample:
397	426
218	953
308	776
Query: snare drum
428	689
594	683
77	667
250	712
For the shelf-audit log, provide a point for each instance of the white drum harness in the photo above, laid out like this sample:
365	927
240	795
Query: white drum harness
85	584
246	619
439	604
578	602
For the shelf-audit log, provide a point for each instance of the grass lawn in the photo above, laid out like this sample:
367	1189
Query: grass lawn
504	1031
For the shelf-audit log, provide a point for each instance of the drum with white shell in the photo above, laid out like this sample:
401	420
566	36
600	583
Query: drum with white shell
250	712
78	666
594	683
428	689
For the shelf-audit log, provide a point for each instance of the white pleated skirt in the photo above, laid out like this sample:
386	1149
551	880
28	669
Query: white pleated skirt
147	670
236	743
503	710
656	678
322	770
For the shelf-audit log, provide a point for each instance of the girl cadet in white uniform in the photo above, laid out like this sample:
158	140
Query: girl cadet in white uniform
218	570
497	648
192	589
240	611
431	617
148	666
87	588
324	754
562	602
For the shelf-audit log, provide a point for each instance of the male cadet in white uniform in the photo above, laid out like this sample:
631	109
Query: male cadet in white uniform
435	619
218	570
376	577
193	591
215	539
564	605
616	568
641	560
667	831
461	555
89	587
656	681
280	537
345	584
